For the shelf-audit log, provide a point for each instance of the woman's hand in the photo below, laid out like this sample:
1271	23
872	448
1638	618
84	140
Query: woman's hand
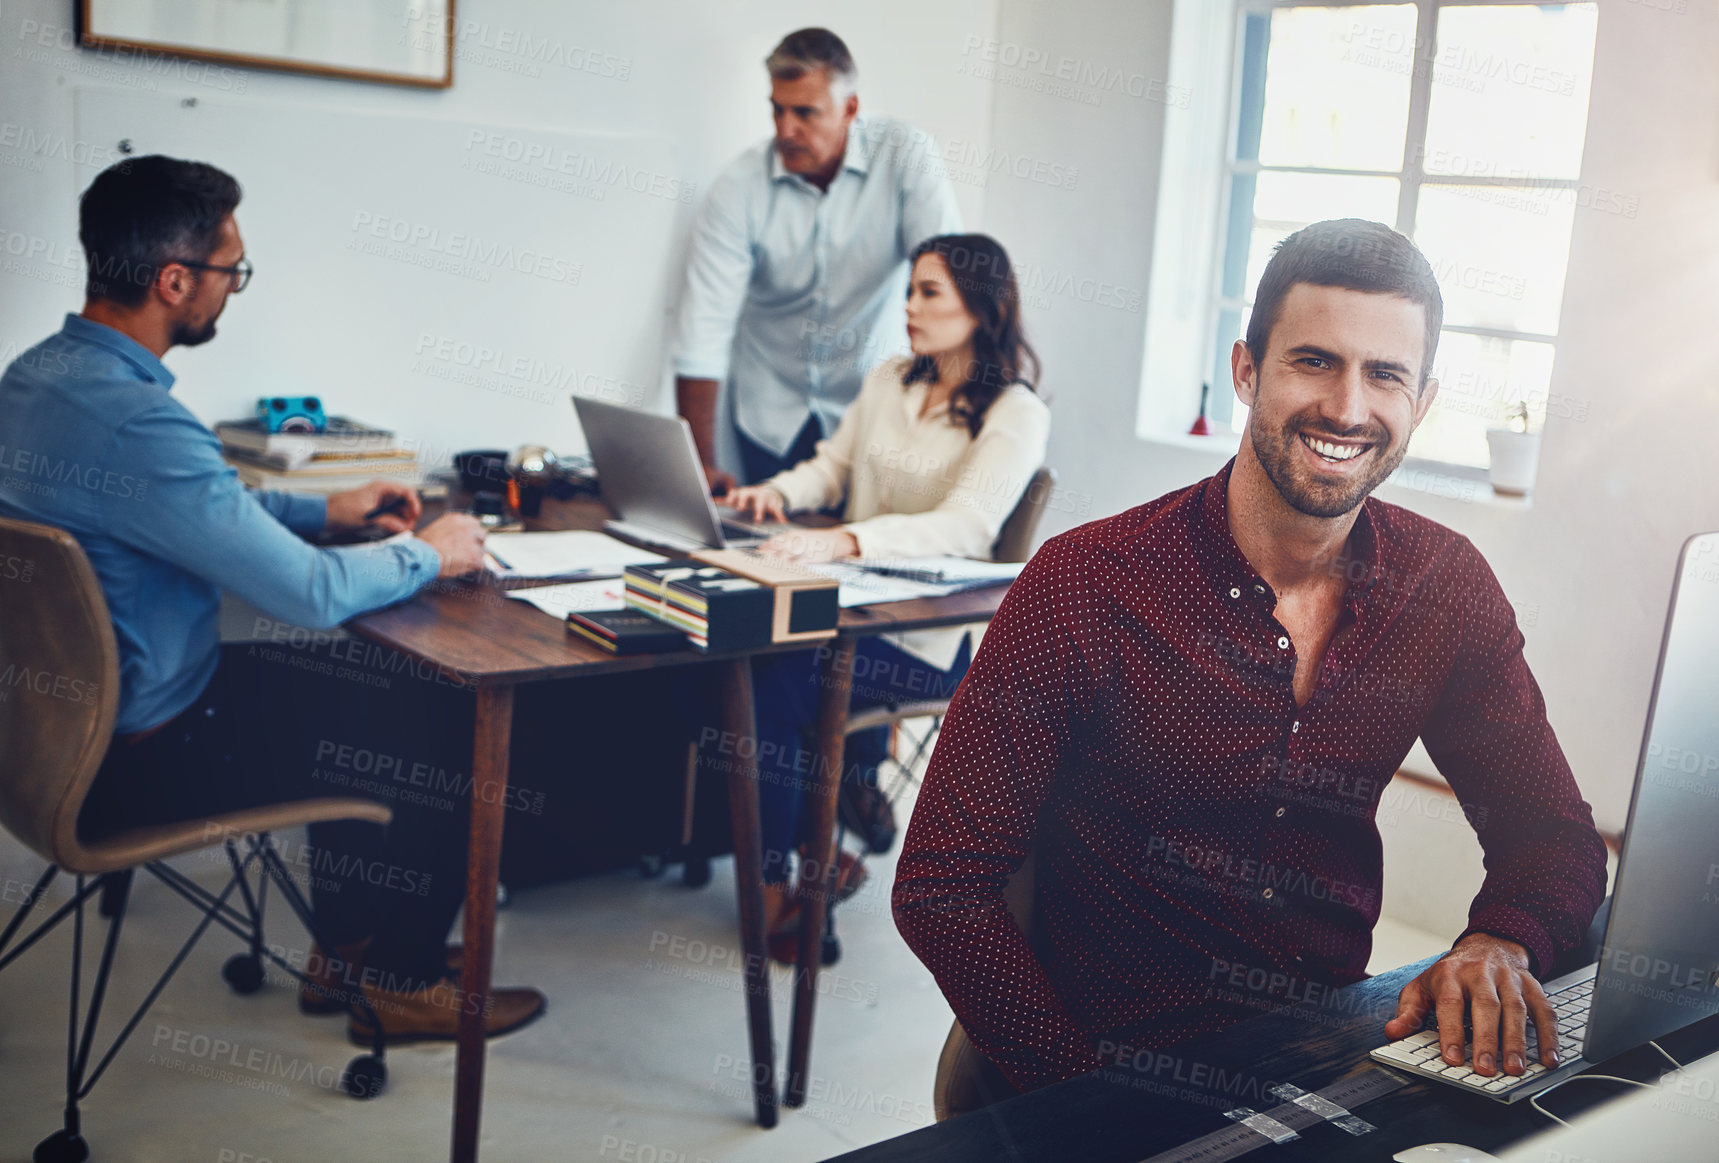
812	545
765	503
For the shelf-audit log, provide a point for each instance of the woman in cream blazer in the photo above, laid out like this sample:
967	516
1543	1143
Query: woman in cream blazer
931	458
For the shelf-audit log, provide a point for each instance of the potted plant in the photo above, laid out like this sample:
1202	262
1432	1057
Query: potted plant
1515	454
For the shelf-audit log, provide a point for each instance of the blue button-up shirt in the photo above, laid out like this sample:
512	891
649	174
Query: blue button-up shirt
793	293
92	442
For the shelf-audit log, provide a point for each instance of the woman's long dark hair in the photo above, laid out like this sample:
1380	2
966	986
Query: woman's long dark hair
981	270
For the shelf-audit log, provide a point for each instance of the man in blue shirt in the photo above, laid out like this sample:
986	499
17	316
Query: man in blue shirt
799	260
93	442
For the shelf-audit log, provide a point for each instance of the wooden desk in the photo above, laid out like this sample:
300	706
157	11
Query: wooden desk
1180	1093
476	636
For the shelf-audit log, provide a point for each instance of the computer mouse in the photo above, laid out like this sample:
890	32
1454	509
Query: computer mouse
1444	1153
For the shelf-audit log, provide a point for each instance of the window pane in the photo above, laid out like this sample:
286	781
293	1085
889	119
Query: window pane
1284	203
1499	253
1481	380
1510	90
1232	325
1337	87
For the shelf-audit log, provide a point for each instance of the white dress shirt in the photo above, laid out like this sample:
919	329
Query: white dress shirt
792	292
918	486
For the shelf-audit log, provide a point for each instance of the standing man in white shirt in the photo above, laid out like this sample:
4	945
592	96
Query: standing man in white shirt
799	260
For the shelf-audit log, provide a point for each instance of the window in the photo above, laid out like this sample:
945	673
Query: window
1461	125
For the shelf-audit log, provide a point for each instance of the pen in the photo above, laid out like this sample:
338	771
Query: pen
385	509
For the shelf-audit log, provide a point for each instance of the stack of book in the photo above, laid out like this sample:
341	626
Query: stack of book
625	631
717	610
730	600
806	604
346	455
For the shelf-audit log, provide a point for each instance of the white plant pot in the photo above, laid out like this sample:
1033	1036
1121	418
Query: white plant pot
1515	460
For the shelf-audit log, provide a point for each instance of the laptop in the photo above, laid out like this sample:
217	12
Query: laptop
649	472
1659	965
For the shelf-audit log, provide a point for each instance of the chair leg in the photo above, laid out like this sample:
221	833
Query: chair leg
108	905
67	1145
243	972
47	926
30	900
366	1074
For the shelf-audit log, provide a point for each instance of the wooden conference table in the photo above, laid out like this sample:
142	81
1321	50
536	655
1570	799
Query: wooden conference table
474	635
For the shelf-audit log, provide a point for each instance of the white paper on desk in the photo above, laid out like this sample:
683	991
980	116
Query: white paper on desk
585	596
564	552
861	587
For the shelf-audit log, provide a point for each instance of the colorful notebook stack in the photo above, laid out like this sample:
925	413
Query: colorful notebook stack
625	631
716	609
727	600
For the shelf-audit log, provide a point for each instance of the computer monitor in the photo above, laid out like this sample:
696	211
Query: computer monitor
1659	967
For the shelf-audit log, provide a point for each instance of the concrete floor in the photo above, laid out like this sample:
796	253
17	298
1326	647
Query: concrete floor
640	1059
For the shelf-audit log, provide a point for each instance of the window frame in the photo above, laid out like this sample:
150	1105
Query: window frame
1412	179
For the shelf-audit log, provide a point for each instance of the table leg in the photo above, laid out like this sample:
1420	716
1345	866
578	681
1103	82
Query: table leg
741	721
818	875
483	868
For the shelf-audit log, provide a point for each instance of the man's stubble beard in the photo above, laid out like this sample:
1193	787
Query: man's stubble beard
185	335
1313	500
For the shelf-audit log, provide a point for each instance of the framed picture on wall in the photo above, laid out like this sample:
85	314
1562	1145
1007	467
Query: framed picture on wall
395	42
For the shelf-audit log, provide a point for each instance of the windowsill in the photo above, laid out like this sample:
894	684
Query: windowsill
1432	478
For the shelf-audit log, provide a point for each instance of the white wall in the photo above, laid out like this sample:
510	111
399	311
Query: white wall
687	71
1618	492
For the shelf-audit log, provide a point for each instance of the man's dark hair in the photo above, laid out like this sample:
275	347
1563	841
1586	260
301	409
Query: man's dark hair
813	48
143	213
1354	254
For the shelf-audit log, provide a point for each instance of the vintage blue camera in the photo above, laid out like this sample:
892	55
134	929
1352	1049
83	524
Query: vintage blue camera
291	414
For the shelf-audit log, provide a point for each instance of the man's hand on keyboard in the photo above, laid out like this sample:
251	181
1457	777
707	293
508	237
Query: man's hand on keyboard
1487	978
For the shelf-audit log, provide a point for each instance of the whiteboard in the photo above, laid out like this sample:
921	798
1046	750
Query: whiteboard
456	282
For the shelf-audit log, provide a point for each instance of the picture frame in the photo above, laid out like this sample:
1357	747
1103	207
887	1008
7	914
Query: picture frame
392	42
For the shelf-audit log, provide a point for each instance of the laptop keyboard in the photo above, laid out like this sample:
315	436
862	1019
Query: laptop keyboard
760	530
1419	1053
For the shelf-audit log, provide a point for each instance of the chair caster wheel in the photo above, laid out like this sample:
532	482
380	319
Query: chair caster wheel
831	951
62	1147
244	973
651	867
696	874
365	1076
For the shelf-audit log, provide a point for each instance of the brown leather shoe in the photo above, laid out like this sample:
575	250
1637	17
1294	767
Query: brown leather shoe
433	1014
333	982
783	939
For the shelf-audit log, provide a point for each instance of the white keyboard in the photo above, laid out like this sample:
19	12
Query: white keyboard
1570	997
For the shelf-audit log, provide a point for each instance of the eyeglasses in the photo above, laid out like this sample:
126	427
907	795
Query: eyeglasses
241	271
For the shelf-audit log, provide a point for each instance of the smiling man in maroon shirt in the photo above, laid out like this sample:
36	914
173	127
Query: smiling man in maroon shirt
1187	713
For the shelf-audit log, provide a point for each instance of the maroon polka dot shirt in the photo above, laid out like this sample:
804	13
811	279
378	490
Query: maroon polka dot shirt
1203	848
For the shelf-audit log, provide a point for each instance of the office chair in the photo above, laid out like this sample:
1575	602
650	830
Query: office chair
54	622
1014	543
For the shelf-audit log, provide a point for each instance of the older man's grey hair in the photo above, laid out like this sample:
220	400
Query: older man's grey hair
814	48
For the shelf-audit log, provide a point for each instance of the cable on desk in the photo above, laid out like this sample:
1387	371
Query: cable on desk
1664	1055
1534	1100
